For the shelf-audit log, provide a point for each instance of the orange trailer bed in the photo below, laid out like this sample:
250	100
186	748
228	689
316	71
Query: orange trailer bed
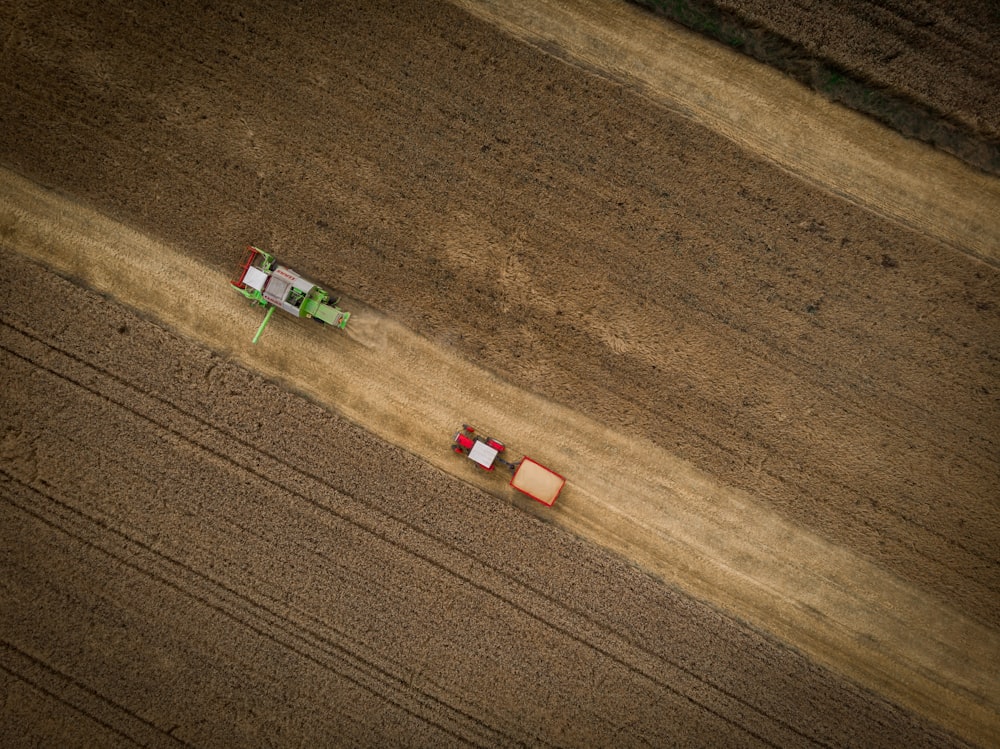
537	481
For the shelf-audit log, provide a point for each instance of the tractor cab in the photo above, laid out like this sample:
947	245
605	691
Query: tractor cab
484	452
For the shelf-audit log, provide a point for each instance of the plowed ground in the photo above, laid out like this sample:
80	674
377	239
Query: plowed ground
193	554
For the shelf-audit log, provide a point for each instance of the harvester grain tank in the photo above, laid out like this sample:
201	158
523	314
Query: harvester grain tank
261	280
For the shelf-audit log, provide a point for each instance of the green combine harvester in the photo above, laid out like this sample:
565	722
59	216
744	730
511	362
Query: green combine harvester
264	282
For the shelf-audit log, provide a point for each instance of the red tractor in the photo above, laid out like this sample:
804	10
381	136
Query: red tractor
530	477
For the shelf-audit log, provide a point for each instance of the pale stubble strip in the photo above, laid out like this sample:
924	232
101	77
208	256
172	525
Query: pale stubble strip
766	112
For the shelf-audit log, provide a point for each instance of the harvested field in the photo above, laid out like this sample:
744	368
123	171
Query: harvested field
172	518
185	564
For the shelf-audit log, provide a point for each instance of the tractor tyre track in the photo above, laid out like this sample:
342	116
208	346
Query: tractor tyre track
216	594
79	698
257	616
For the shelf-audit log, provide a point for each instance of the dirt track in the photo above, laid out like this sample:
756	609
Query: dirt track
867	368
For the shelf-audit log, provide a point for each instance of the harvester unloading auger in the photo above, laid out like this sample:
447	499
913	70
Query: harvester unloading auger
264	282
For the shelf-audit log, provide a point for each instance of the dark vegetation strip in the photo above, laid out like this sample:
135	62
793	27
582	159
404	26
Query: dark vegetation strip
851	88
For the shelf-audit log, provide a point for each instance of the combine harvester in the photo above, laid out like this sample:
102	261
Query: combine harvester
530	477
264	282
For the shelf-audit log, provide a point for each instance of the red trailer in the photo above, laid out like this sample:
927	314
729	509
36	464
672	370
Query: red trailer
530	477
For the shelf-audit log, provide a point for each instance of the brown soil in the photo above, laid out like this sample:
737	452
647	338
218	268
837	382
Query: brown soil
588	245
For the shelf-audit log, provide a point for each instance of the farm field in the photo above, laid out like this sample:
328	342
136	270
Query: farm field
757	358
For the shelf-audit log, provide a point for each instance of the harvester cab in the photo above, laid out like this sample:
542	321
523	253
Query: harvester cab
264	282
